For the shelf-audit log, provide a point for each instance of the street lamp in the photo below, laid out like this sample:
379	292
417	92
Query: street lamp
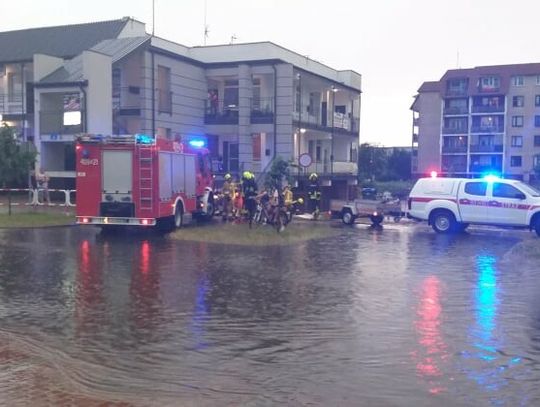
334	90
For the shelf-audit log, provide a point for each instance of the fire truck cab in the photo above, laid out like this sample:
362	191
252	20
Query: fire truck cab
139	180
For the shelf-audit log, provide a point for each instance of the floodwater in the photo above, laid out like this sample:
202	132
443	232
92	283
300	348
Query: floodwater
392	317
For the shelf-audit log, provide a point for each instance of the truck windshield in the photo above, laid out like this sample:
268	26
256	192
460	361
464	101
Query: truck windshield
529	190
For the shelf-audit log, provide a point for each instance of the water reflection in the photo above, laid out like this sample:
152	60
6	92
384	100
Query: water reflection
433	349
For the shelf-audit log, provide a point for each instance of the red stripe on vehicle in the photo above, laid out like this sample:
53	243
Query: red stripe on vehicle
431	199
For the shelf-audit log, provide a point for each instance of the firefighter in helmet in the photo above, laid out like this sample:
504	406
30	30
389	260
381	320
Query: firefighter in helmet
314	195
249	190
228	194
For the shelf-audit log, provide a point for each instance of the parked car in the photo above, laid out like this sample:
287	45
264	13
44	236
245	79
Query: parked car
451	204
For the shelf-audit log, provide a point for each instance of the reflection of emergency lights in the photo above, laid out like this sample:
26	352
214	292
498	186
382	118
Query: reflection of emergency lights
144	139
197	143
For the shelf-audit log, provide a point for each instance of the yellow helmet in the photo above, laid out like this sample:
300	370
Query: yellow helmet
227	177
247	175
313	176
300	201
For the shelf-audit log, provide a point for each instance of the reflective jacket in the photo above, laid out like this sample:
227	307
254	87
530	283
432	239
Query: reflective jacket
314	191
249	188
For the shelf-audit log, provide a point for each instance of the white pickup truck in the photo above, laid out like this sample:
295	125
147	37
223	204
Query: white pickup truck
451	204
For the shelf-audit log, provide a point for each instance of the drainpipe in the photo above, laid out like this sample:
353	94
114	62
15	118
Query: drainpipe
23	107
153	95
275	112
84	123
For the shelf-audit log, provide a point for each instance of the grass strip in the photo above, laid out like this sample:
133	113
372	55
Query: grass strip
35	219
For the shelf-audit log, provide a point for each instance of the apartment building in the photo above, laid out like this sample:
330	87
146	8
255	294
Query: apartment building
248	102
479	120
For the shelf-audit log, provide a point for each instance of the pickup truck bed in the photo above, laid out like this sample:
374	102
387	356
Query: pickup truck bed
349	211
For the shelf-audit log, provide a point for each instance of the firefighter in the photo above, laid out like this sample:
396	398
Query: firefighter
228	192
314	195
249	190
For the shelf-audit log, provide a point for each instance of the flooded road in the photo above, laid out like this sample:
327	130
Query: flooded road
398	317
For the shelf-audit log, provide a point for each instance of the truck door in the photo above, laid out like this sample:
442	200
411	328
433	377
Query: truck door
507	205
473	201
117	175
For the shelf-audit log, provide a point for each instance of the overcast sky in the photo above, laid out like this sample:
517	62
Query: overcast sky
395	44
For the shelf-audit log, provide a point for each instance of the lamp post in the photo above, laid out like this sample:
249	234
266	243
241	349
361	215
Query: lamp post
333	109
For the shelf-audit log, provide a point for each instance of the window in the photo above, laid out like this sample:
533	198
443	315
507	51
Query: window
517	121
230	94
297	98
537	141
489	82
476	188
515	161
538	79
537	100
536	160
164	89
256	147
517	80
256	88
517	141
536	121
14	86
505	191
517	101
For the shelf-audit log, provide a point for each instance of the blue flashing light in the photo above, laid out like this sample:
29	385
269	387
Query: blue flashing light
197	143
144	139
491	177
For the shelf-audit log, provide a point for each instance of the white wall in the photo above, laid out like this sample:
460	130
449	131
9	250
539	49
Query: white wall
97	70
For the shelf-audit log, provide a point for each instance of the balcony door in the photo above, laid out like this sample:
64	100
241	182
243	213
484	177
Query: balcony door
230	157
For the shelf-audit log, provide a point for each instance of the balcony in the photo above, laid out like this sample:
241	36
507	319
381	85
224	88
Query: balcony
11	104
262	110
487	109
454	167
479	148
164	99
456	110
488	89
126	101
487	129
217	112
482	169
455	92
325	169
52	123
455	130
454	149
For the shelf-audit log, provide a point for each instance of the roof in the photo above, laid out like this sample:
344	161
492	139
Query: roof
429	87
116	49
64	41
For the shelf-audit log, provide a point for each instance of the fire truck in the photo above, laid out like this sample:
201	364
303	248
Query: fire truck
139	180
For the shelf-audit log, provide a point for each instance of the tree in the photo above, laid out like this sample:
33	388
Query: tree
16	160
279	170
399	165
371	162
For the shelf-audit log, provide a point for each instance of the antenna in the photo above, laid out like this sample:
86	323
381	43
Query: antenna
153	16
233	37
206	30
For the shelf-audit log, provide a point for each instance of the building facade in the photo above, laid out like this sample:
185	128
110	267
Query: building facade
249	102
477	121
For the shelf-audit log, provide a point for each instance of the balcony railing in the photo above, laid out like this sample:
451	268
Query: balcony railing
480	148
52	122
454	167
456	92
487	109
489	89
10	103
481	169
219	112
487	129
126	101
262	110
455	130
325	168
454	149
454	110
164	99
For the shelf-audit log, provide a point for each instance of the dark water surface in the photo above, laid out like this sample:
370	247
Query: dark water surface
398	317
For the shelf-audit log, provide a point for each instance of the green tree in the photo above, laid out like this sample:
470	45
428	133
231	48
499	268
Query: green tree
16	160
399	165
372	162
279	170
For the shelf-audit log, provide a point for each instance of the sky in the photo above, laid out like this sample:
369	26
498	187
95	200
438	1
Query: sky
395	45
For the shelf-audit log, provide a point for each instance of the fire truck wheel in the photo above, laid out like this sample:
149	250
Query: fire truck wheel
178	216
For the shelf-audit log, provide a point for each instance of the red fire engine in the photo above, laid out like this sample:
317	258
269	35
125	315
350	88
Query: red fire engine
138	180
